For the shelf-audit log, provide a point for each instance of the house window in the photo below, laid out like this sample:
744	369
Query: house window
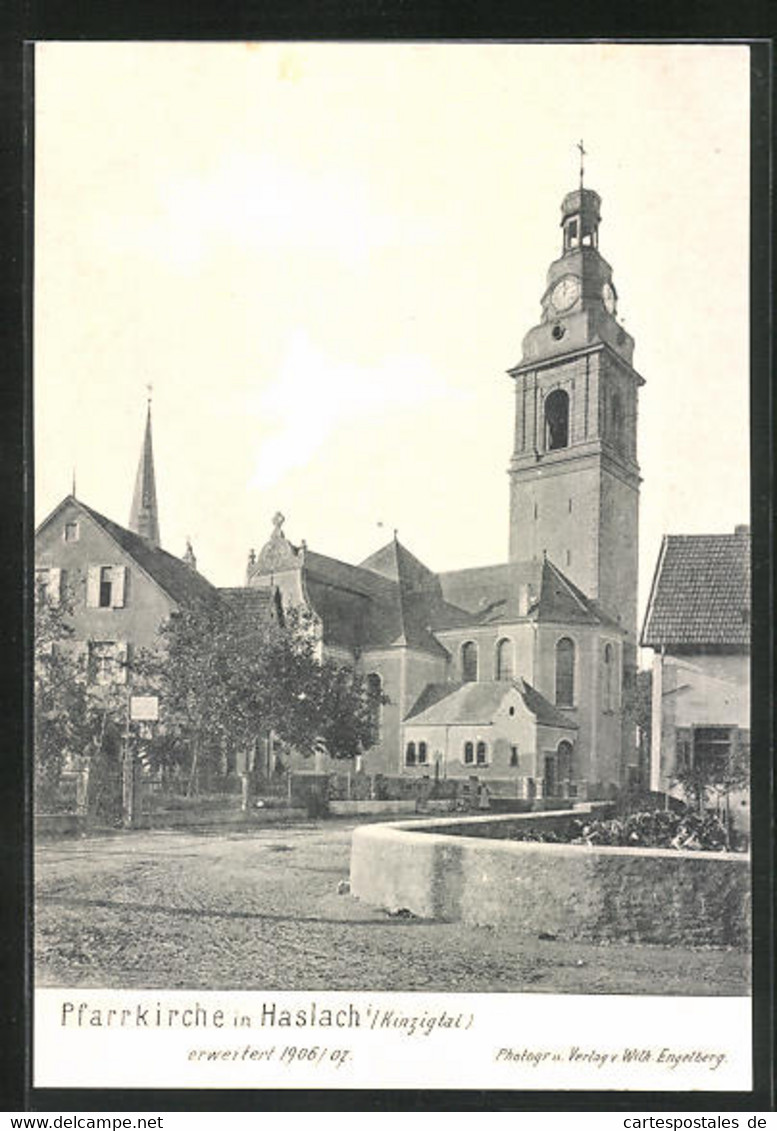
71	531
421	753
608	679
469	662
504	660
557	420
565	673
480	753
106	586
469	753
48	585
513	755
107	662
374	696
410	754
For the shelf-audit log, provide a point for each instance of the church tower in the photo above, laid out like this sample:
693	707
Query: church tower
574	477
144	517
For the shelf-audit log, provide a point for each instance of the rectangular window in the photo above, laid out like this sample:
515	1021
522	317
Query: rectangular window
107	662
106	586
41	586
71	531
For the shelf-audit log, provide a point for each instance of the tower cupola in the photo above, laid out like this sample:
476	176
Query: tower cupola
580	217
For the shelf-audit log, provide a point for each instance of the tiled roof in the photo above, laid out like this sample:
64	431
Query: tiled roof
701	591
451	704
178	580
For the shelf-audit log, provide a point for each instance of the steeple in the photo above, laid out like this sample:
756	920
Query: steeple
144	517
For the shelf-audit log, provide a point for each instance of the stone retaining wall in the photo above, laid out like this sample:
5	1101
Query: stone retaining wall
563	890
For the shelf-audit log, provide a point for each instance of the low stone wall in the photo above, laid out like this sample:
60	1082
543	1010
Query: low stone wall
562	890
354	808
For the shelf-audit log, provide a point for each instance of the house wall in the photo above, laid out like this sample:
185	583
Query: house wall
694	690
146	606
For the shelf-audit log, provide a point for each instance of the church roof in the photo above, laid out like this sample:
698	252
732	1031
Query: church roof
462	704
178	580
701	591
514	590
393	600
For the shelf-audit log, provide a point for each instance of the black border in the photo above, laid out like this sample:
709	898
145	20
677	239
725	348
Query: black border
355	20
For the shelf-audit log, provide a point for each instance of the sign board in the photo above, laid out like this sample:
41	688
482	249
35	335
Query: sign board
144	707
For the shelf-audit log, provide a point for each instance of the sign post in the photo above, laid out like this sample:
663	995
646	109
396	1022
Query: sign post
140	708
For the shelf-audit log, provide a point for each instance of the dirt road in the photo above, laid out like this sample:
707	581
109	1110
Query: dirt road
261	910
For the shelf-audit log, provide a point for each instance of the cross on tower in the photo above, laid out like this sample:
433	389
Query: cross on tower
583	154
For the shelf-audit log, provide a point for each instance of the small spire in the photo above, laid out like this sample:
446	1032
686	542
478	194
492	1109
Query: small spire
144	517
73	491
189	557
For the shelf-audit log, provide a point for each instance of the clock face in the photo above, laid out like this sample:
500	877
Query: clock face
566	292
608	298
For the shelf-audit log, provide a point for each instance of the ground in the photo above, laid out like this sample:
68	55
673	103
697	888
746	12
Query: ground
260	910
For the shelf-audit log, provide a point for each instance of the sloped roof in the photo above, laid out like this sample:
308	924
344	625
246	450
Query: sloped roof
178	580
512	591
452	704
362	607
701	591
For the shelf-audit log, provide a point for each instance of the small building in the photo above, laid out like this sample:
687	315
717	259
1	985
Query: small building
698	624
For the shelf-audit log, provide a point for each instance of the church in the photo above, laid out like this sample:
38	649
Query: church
519	672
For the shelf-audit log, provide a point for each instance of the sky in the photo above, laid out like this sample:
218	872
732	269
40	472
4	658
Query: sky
323	259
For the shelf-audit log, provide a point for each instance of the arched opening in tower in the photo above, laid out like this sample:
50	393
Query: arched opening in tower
557	420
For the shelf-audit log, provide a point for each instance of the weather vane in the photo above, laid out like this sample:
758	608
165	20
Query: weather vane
583	154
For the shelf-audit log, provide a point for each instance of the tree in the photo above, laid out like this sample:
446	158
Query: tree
224	683
75	723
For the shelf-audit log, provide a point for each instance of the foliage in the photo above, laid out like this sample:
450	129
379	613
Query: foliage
73	722
719	775
659	828
224	683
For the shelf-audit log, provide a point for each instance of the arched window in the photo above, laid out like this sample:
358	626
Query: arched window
374	696
480	753
421	753
469	662
556	420
565	673
564	760
469	753
608	674
410	754
504	660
